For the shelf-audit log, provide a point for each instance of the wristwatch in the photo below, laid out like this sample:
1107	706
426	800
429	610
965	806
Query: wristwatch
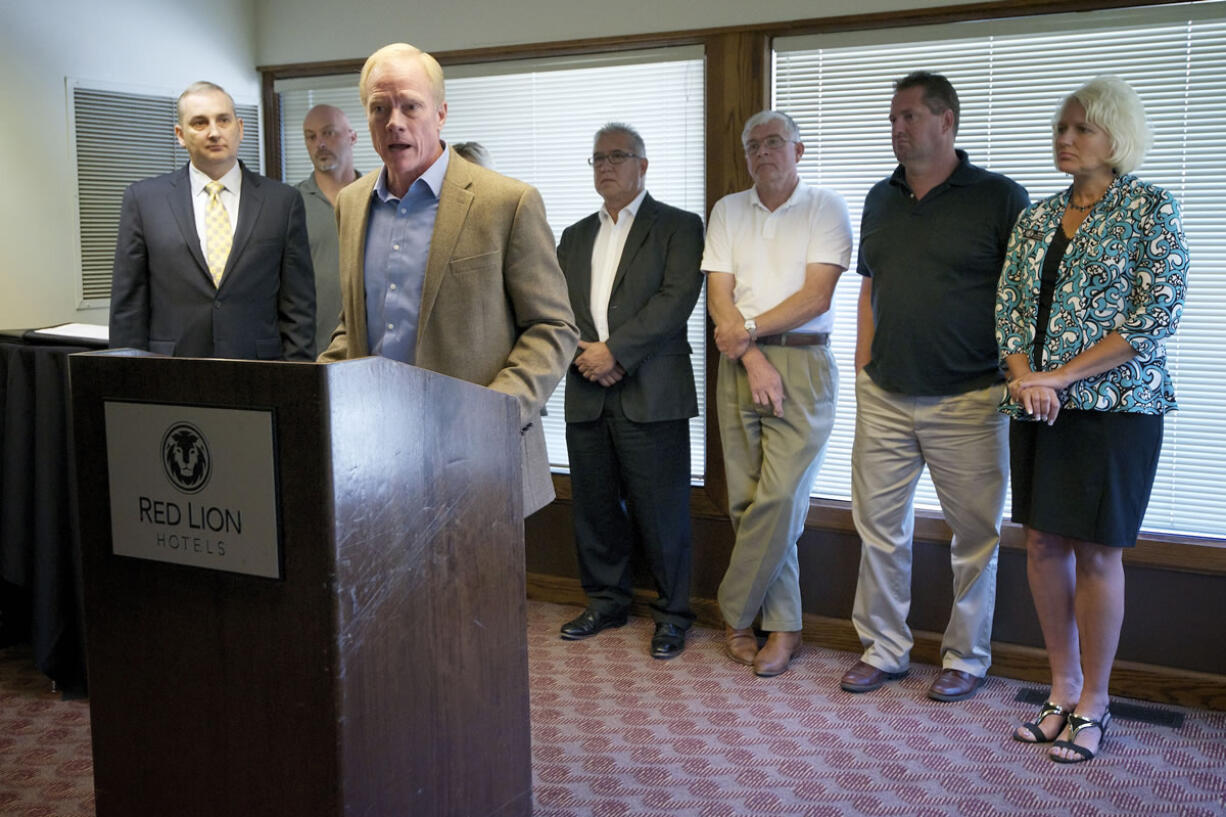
751	326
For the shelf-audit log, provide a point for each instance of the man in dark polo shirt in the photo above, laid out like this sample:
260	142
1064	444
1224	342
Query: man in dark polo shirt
928	384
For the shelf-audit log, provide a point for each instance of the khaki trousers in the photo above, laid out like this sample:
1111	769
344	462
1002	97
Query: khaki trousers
964	441
770	463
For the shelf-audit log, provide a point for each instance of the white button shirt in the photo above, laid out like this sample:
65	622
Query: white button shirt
230	194
606	256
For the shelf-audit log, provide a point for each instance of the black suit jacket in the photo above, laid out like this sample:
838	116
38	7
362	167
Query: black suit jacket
654	291
163	299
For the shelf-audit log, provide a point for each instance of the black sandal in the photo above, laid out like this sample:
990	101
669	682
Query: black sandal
1075	724
1049	708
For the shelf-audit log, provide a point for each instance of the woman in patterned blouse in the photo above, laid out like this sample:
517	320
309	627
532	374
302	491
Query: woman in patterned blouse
1092	286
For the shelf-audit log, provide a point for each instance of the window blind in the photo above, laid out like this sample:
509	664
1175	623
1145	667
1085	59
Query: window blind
537	119
1010	76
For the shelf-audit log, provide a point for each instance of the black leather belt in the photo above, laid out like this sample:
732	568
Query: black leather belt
795	339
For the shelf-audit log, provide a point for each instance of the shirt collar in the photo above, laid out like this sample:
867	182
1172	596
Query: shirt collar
311	185
633	207
231	180
963	174
432	178
797	192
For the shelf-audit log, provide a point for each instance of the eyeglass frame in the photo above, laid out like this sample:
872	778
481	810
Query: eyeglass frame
753	146
614	157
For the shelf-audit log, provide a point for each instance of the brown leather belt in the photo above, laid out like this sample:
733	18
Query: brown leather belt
795	339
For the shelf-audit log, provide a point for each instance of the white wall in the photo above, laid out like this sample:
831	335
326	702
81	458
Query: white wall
354	29
161	45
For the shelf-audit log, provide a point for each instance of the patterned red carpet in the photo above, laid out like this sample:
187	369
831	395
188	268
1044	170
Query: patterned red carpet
616	734
46	768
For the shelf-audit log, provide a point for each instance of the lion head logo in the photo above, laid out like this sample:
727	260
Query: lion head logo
185	456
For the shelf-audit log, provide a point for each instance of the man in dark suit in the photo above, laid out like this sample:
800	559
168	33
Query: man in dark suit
212	260
632	270
446	265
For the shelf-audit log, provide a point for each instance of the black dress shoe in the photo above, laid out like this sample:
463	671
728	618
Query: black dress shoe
668	642
590	622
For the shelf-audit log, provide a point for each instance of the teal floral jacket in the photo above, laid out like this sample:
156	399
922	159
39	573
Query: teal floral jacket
1124	271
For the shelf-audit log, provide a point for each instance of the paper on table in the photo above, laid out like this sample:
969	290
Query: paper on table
88	331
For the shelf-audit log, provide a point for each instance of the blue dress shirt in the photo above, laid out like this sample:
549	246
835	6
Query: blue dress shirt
398	236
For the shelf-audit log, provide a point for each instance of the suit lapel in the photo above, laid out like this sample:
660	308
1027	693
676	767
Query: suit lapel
354	218
250	202
579	274
454	202
185	216
643	220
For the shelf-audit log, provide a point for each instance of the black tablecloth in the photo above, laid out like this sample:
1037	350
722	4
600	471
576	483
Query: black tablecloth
40	573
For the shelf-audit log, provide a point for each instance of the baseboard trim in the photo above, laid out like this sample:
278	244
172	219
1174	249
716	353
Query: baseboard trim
1147	682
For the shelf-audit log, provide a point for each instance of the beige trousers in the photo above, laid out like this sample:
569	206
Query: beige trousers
964	441
770	463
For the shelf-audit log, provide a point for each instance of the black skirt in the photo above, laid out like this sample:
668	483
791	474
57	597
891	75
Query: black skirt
1087	477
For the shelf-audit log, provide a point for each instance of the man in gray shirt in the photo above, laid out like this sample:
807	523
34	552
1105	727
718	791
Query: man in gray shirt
329	140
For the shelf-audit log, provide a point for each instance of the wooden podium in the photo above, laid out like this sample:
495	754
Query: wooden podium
382	670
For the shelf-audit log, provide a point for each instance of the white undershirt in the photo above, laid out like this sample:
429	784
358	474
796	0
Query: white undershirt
606	256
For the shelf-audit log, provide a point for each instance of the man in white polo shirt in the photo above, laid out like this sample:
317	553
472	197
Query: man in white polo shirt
773	256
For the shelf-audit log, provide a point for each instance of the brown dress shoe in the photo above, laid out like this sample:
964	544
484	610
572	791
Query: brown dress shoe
863	677
775	656
954	685
740	645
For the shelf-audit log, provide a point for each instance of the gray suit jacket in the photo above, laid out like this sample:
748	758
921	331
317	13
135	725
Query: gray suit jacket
163	299
654	291
494	309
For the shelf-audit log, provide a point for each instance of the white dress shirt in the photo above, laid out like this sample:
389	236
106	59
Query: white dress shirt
606	256
233	181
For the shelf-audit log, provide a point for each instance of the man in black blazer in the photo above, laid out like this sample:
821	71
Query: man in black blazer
632	270
212	260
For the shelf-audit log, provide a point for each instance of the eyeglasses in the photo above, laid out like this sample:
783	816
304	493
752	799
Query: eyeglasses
771	143
614	158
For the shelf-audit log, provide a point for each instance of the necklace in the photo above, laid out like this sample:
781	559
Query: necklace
1082	208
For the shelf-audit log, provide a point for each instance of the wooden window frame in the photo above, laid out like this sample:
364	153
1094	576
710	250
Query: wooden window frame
738	85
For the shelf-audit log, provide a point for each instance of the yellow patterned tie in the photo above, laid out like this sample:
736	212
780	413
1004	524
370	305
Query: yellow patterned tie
217	233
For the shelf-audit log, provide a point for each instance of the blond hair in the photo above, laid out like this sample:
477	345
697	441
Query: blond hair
1112	104
396	51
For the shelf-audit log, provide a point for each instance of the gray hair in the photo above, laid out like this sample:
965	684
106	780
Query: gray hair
474	152
636	141
202	87
1112	104
764	117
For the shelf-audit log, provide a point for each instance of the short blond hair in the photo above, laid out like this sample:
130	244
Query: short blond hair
1113	105
434	71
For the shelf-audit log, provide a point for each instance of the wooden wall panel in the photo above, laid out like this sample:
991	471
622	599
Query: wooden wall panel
737	87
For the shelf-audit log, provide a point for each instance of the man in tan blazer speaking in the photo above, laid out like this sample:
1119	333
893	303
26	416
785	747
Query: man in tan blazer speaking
446	265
